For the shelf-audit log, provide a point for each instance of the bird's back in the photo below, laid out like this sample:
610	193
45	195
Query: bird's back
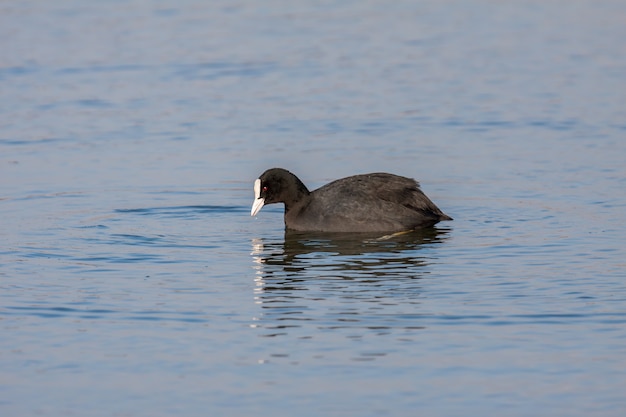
366	203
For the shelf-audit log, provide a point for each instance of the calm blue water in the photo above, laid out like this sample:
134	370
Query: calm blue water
133	281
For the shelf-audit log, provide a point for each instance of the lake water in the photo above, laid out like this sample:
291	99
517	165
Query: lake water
133	281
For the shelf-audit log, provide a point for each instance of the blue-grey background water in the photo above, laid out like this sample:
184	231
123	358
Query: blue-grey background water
135	283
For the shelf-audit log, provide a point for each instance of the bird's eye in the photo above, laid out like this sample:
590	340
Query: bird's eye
265	188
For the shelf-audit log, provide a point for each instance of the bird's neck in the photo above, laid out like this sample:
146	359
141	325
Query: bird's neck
301	192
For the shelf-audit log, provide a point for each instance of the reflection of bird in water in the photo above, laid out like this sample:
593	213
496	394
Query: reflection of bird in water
337	280
351	244
309	256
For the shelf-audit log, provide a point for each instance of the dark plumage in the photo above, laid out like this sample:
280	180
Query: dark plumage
377	202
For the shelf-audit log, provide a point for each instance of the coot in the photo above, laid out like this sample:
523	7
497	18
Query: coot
376	202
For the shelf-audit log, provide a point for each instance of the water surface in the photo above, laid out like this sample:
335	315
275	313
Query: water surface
133	281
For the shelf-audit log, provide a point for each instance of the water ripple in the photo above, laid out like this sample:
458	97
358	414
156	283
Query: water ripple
183	211
97	313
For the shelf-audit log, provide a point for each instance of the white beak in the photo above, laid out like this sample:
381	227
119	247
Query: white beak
258	201
256	206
